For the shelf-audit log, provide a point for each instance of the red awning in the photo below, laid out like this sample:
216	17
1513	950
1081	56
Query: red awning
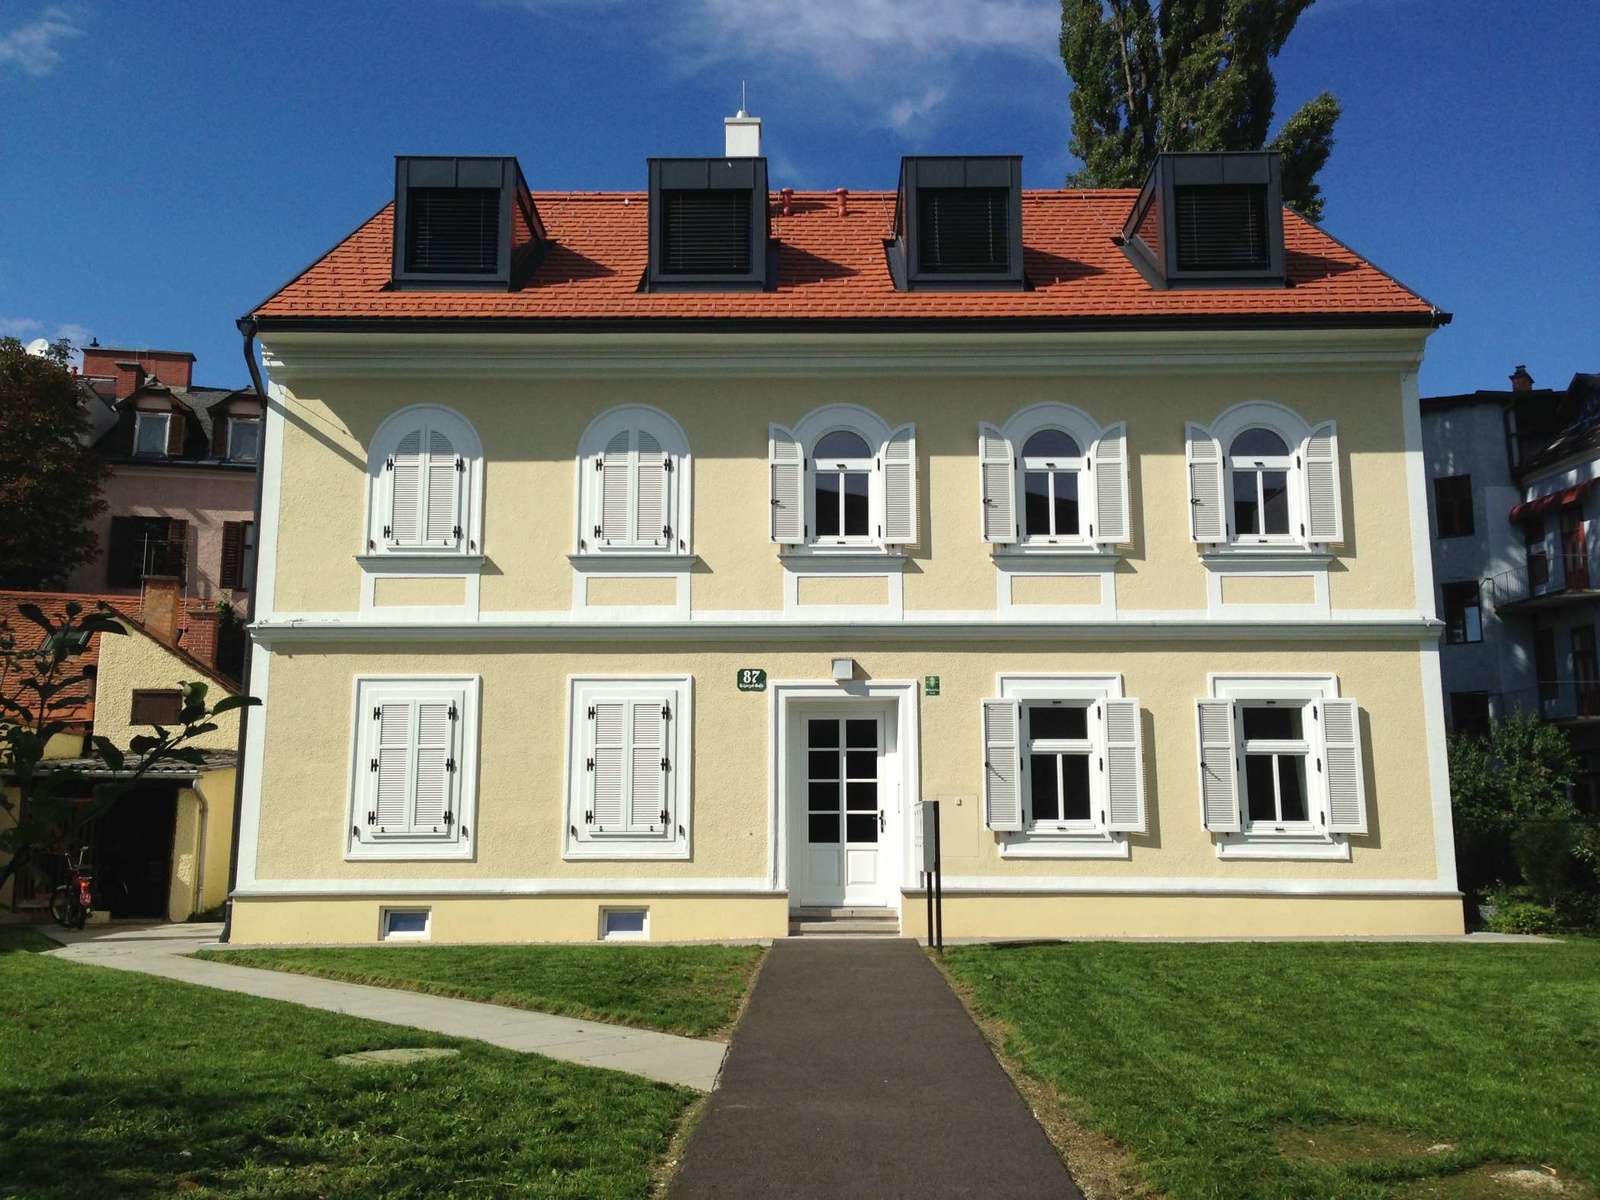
1543	504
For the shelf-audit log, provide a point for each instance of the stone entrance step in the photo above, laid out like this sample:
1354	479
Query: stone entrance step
844	922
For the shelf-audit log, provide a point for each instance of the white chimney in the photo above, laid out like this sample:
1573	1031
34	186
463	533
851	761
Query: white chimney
742	133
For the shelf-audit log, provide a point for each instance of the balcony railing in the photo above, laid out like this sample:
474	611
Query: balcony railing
1559	700
1546	581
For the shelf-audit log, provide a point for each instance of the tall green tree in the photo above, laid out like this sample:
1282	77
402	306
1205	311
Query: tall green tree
50	479
1169	75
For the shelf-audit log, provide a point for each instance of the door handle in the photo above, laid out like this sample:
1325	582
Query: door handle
881	826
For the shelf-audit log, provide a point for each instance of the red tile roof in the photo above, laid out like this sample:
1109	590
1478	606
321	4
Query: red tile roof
833	267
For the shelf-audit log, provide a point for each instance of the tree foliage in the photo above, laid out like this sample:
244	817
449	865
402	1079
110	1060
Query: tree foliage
50	479
1170	75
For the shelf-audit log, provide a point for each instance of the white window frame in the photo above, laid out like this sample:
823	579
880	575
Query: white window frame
1101	449
1307	840
386	934
459	840
669	435
1064	839
1237	466
877	434
464	440
234	424
607	934
584	693
142	420
1213	444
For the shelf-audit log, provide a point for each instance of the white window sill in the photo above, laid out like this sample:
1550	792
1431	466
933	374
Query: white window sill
1270	554
1282	847
398	850
623	850
1047	844
882	556
436	562
632	561
1013	554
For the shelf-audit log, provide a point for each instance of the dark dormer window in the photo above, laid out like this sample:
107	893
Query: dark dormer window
958	225
463	224
1209	220
708	225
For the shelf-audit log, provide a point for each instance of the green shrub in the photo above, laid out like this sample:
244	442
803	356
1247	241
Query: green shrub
1524	918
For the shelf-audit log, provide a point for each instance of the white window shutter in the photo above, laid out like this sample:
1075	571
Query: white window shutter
786	465
1207	497
1002	765
1324	504
900	487
1219	778
435	766
1124	767
997	482
650	504
443	507
647	791
606	767
615	467
405	492
1109	459
1341	757
392	779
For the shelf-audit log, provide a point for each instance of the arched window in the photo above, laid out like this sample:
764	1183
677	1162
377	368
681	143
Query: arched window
1260	476
841	479
1053	478
425	484
633	481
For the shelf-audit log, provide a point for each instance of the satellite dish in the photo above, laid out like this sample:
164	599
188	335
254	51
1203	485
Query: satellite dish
39	347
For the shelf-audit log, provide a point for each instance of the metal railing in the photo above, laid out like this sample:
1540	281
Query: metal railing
1554	700
1545	575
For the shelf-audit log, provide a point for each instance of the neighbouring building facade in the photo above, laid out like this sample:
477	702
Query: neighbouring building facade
633	565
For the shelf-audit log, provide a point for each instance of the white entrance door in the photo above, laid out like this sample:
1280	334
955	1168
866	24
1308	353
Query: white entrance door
843	800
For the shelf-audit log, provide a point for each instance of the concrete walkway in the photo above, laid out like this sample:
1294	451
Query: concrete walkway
855	1072
160	950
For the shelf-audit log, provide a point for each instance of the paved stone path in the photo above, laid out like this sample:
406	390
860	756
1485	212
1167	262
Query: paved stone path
855	1072
161	950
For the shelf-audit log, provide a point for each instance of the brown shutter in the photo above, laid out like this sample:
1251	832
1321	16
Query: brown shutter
220	425
232	554
177	428
177	549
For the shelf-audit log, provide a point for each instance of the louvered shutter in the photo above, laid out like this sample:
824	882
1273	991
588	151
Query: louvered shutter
900	487
232	574
608	745
647	782
1219	779
405	491
1124	767
1002	765
1109	462
443	528
435	767
392	782
175	554
1207	518
998	484
615	467
177	433
1341	757
786	465
220	429
1324	504
651	513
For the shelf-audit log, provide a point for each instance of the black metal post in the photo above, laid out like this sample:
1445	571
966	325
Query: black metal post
938	883
927	887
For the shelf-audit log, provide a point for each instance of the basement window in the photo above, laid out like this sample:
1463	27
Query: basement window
405	924
624	924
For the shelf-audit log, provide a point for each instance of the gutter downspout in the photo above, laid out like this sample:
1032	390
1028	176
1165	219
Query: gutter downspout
247	327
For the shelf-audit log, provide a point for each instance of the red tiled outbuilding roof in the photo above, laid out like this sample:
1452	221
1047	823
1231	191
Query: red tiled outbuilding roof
833	268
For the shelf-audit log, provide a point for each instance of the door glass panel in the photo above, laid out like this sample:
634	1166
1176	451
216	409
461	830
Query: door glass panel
861	828
861	764
859	735
823	764
824	796
821	735
822	828
861	797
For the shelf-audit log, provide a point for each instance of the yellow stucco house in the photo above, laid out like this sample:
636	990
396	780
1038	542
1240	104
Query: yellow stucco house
632	565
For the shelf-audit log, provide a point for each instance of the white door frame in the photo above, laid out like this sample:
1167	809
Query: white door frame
901	695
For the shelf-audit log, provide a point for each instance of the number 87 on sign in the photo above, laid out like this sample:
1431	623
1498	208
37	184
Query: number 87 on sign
751	679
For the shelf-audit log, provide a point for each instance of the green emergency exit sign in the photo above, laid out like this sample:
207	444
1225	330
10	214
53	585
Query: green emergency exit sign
930	685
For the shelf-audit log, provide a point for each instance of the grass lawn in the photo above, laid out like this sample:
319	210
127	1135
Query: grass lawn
115	1084
1281	1070
692	990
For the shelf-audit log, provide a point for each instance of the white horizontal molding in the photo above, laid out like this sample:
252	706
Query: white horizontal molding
1067	885
1266	847
421	354
384	888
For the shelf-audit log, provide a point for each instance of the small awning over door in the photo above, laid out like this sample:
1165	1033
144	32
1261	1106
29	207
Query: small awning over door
1543	504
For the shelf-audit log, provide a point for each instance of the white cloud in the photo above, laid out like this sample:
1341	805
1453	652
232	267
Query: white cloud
31	48
909	110
76	334
19	327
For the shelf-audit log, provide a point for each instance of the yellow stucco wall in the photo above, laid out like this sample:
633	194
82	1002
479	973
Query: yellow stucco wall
1268	589
394	591
1055	589
200	845
530	430
626	591
843	589
138	661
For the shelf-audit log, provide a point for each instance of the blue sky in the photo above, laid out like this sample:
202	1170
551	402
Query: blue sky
164	166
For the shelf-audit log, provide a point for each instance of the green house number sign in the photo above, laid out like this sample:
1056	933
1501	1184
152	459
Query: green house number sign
930	685
752	679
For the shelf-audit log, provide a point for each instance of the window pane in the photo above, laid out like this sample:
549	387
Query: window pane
828	483
1272	724
150	434
1036	503
1051	443
1044	794
1075	785
1275	493
822	828
1053	723
1258	443
861	828
855	505
822	735
861	735
1292	786
1258	787
861	797
824	764
1244	503
1066	502
861	764
242	438
822	796
839	444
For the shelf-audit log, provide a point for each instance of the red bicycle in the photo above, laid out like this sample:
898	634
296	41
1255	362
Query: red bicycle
71	903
